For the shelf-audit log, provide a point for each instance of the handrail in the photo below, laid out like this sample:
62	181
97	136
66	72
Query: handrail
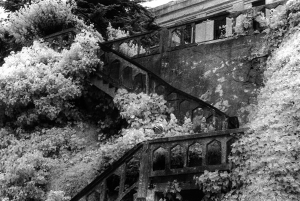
130	37
199	135
113	167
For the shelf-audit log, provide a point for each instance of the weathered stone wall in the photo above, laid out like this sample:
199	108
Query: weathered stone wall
225	73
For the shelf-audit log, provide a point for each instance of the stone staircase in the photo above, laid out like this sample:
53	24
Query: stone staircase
144	172
120	71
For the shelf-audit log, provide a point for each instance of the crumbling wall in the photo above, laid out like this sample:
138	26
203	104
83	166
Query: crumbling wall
225	73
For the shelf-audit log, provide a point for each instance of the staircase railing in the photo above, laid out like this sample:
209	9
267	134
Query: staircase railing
120	71
139	168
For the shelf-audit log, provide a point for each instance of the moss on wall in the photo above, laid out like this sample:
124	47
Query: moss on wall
225	73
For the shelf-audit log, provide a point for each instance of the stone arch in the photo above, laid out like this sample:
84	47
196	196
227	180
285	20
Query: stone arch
114	72
127	77
214	153
177	157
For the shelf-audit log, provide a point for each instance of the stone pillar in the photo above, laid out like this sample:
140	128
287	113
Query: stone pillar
144	174
200	32
228	27
210	30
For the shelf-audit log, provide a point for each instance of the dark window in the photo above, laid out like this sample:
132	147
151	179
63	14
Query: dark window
159	159
220	27
214	154
112	187
177	157
258	3
195	155
132	172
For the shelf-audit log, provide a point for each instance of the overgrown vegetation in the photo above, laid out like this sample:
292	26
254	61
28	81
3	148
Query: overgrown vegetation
129	15
266	162
54	143
51	147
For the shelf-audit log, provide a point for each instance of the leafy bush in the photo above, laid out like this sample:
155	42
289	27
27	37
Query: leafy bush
148	112
266	159
57	196
270	153
41	18
214	184
38	84
28	163
128	48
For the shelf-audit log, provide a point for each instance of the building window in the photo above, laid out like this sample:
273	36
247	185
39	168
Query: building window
259	3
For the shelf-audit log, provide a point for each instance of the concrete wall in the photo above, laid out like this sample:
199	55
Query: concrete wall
226	73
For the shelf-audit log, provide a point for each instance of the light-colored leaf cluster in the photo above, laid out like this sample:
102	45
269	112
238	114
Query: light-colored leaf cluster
128	48
214	184
41	18
39	83
27	162
266	159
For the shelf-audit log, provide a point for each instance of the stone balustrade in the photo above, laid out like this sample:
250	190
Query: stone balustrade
147	168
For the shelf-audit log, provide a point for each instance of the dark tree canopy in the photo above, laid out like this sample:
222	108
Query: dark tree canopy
14	5
129	15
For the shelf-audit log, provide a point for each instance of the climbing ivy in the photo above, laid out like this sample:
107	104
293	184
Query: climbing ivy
265	159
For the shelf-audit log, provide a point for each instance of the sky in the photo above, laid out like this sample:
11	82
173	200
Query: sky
2	15
151	4
155	3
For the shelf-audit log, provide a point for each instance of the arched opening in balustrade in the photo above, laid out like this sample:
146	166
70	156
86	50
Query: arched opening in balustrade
94	196
184	108
172	96
131	172
195	155
127	77
214	153
115	70
112	187
198	120
140	83
177	157
160	90
176	37
159	159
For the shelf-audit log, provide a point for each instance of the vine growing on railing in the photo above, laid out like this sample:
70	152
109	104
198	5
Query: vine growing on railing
215	185
128	48
172	191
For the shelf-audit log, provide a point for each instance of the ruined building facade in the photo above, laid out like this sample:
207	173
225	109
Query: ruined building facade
207	61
